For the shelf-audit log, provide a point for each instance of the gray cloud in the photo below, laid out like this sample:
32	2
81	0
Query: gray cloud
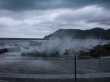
38	23
37	18
49	4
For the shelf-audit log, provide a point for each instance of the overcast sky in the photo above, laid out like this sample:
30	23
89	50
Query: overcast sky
37	18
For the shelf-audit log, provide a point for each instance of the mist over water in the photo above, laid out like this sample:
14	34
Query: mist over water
61	45
48	46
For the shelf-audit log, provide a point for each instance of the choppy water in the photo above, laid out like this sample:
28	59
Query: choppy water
13	63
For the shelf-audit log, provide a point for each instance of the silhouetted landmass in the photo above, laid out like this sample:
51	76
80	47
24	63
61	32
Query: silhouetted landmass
97	33
3	50
96	52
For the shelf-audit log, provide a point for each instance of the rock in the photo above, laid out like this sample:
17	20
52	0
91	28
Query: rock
4	50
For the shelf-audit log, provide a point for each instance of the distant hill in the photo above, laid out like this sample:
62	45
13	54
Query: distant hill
97	33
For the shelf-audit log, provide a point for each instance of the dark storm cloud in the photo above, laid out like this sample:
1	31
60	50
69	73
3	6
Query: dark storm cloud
49	4
37	18
17	4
